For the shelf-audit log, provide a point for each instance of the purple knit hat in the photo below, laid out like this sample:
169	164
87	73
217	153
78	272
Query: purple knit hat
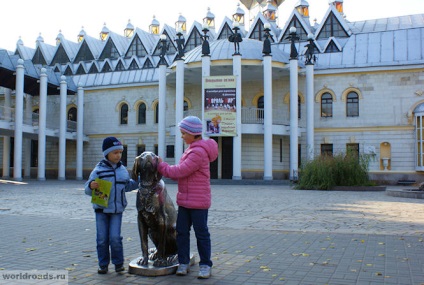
191	125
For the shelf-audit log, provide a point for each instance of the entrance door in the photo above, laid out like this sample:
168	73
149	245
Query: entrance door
214	164
227	158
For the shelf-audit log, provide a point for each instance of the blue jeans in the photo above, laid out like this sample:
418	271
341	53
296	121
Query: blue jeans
109	234
199	219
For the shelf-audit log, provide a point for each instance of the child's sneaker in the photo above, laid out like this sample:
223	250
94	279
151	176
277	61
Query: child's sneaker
183	269
119	268
204	272
102	270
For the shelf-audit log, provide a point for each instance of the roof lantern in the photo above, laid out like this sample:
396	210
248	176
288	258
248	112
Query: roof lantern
81	34
238	16
40	39
181	24
20	42
129	30
269	11
302	7
154	26
338	4
59	37
209	19
104	33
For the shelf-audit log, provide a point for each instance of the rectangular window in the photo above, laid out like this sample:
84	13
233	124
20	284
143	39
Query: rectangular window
327	149
140	149
352	149
124	156
170	151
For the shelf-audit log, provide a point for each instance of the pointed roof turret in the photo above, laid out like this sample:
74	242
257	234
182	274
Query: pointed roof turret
104	33
338	4
39	40
129	30
81	34
302	6
270	11
59	37
209	19
154	26
181	24
238	16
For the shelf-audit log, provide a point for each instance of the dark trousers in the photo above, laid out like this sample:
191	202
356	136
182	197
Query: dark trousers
199	220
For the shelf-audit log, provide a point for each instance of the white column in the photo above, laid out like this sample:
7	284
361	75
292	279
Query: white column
62	128
162	112
42	115
310	111
6	139
237	138
26	141
179	109
267	61
19	108
80	131
206	72
293	119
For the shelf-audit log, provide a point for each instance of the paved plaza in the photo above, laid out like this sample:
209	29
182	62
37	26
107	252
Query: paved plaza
261	234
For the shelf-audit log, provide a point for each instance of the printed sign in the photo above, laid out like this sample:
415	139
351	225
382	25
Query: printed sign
220	105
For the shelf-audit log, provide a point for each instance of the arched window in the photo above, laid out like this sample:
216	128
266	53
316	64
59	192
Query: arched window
352	105
326	105
124	114
261	106
419	137
141	114
72	114
299	103
157	113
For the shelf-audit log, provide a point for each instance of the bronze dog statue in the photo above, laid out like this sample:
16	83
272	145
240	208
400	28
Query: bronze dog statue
157	215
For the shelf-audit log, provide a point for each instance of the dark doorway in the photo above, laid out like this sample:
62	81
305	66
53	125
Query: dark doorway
214	164
227	158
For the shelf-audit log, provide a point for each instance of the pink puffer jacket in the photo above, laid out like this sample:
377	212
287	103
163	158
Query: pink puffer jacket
193	174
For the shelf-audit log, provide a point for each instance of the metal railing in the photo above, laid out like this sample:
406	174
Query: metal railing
8	114
250	115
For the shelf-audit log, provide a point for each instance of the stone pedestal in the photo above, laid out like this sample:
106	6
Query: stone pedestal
150	270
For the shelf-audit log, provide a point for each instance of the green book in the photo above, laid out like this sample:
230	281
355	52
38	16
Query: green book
100	196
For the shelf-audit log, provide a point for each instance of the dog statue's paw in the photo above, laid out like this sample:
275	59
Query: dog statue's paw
143	261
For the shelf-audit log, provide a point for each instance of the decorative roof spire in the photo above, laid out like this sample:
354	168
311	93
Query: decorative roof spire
181	24
209	19
104	33
238	16
129	30
81	34
40	39
338	4
154	26
302	7
269	11
59	38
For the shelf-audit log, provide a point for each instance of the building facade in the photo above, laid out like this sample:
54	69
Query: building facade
353	86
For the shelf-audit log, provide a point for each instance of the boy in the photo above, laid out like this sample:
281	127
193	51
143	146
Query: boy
109	219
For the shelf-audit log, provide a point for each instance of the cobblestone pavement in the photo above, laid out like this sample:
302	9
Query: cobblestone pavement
261	234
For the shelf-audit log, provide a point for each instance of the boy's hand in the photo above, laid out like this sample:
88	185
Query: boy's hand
94	185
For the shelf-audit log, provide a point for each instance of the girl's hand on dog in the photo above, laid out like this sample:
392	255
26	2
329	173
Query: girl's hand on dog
159	159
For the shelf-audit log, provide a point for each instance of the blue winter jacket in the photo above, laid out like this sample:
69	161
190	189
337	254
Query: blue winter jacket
121	183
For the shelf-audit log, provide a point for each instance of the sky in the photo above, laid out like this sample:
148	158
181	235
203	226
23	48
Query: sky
27	19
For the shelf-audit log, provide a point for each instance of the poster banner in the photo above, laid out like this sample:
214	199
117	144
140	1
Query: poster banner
220	105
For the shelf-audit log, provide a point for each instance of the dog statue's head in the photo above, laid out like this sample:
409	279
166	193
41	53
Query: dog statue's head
145	169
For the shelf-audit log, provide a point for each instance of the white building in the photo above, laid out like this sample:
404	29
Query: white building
362	90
